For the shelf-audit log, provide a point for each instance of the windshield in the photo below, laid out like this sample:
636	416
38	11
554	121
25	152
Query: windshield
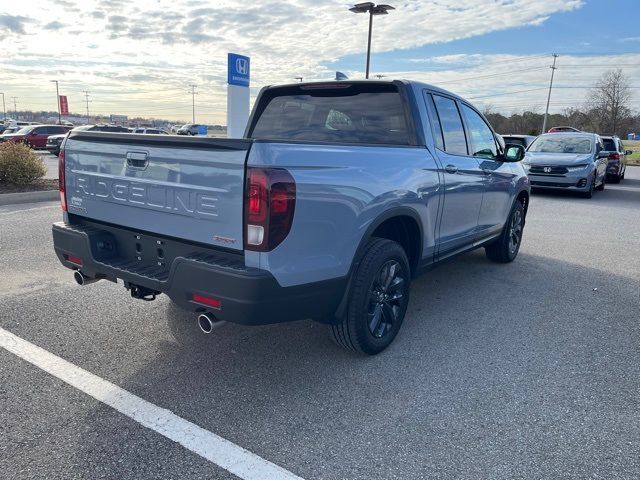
561	144
24	130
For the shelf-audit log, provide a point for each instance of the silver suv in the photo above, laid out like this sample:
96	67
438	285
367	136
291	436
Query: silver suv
575	161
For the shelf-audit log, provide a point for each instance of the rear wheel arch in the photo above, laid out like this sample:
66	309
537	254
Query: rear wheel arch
409	218
402	225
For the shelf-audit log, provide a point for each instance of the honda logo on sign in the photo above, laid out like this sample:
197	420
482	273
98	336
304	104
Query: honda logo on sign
238	70
242	66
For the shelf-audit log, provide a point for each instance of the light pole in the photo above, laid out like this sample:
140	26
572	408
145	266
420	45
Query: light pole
372	9
546	112
193	103
86	97
58	101
4	110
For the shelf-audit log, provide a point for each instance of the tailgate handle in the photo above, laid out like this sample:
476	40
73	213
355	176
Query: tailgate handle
137	160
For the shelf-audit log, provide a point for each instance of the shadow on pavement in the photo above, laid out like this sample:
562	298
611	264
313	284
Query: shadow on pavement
500	371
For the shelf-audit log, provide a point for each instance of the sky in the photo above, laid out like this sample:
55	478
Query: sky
139	58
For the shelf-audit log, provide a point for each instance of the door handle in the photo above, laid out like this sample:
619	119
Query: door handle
137	160
451	168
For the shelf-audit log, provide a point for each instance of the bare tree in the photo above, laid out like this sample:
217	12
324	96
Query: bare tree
607	101
578	119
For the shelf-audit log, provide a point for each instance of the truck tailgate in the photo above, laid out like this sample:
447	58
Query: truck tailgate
188	188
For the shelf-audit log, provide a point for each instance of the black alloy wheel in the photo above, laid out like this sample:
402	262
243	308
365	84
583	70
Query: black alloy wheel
515	231
385	297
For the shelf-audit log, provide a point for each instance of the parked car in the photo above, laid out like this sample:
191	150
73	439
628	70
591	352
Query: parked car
150	131
34	136
524	140
567	161
617	166
54	141
341	193
9	130
562	129
189	129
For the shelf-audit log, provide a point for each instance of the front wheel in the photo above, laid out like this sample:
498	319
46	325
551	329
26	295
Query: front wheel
505	249
589	193
600	187
378	299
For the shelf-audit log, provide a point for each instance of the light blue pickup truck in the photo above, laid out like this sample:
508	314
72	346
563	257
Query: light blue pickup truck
337	197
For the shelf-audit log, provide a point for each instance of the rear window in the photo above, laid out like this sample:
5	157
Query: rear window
609	144
345	113
515	141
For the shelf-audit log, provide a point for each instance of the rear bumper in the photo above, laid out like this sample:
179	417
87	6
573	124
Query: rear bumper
247	296
614	169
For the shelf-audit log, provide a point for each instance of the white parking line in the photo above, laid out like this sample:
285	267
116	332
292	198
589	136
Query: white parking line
223	453
13	212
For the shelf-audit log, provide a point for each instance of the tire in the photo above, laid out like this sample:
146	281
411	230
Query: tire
378	299
616	179
600	187
505	249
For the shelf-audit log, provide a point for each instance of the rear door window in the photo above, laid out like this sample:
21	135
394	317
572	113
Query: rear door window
341	113
451	124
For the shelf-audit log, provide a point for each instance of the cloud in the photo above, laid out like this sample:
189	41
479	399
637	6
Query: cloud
629	39
55	25
14	23
141	54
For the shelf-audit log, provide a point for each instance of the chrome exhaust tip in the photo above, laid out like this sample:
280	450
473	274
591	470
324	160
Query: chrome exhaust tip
208	322
82	279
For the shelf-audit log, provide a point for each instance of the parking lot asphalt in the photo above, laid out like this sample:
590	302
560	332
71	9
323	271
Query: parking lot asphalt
50	162
524	370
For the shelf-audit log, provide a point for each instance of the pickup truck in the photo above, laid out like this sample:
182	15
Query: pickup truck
338	195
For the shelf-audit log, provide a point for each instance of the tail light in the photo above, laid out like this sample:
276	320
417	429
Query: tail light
61	187
614	156
269	206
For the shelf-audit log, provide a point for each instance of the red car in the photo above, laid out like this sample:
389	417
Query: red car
562	129
35	136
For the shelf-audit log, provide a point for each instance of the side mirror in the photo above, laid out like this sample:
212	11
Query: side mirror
513	153
628	152
603	154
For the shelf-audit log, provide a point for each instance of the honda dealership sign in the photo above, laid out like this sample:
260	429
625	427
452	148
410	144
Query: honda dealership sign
238	78
238	70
